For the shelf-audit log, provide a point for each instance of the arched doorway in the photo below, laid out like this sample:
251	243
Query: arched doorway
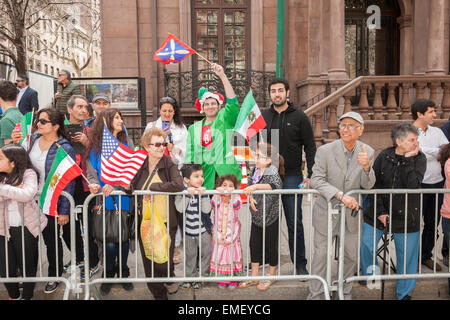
372	51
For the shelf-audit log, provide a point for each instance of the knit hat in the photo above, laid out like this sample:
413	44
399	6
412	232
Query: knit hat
204	94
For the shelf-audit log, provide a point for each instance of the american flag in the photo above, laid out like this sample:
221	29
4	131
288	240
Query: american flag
119	163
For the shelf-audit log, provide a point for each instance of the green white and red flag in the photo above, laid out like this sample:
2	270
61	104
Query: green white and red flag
25	126
250	120
63	170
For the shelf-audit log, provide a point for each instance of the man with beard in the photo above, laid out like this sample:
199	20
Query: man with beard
295	133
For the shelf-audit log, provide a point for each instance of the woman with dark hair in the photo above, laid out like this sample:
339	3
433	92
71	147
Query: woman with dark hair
114	122
51	134
171	123
20	219
444	159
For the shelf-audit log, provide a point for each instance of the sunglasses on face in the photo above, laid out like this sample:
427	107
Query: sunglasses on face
159	144
167	100
43	121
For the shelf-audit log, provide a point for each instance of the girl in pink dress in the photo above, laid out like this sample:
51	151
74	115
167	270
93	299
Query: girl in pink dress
226	242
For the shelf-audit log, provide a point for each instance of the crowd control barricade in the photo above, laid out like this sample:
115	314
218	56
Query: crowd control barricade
70	283
134	276
374	279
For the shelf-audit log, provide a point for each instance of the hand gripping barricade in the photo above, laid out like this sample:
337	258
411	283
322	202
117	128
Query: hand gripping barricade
137	277
373	280
71	283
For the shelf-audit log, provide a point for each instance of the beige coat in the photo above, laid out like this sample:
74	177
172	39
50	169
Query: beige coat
330	175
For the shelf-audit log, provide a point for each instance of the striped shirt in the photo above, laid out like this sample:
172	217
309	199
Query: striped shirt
190	208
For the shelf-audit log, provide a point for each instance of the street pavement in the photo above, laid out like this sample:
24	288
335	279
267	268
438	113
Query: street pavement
434	289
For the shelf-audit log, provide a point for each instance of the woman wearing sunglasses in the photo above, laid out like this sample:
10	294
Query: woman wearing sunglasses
51	134
113	119
174	130
159	174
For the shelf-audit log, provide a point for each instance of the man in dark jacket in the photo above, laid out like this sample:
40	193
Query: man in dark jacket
66	89
294	132
27	99
399	167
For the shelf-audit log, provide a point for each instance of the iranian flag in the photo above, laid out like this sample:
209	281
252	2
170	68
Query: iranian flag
63	170
25	126
250	119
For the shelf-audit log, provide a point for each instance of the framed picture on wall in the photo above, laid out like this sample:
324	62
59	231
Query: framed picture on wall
124	93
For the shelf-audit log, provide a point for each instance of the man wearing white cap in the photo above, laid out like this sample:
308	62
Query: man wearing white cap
339	166
209	140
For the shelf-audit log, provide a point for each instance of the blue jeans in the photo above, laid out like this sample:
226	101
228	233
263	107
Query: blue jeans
112	257
405	286
292	182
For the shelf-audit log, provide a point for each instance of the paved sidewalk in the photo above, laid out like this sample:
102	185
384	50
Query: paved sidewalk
286	289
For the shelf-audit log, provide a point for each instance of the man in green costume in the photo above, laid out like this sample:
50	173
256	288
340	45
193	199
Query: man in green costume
209	140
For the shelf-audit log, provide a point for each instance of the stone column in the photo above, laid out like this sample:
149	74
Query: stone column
436	42
337	40
406	44
257	35
185	32
314	29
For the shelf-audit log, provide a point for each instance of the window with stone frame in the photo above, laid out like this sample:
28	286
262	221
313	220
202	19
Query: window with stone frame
221	30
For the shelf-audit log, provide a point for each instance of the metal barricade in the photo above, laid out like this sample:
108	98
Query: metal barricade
71	284
397	276
214	276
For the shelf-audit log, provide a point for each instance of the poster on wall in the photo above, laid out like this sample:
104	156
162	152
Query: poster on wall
123	92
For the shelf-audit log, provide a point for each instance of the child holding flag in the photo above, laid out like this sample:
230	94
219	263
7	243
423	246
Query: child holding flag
18	187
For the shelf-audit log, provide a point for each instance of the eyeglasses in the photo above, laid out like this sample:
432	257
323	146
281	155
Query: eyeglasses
351	127
43	121
167	99
20	80
158	144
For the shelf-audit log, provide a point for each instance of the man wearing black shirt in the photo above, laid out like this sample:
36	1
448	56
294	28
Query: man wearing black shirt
295	132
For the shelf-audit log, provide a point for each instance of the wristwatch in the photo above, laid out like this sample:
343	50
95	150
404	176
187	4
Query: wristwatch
340	194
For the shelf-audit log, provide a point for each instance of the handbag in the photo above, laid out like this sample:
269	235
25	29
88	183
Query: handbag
154	235
113	219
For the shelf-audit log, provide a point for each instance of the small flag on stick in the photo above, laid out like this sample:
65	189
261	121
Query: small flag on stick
63	170
119	163
250	120
173	50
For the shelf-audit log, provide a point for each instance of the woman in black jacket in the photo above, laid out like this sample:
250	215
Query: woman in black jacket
399	167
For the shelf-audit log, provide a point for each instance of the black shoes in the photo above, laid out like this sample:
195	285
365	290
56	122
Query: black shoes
51	287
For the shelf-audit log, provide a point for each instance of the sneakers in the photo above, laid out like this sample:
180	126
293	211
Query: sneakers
51	287
196	285
407	297
92	271
430	264
172	288
185	285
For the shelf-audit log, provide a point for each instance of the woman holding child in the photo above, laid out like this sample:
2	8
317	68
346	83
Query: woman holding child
159	174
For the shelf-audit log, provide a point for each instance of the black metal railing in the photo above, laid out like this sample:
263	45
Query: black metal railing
184	85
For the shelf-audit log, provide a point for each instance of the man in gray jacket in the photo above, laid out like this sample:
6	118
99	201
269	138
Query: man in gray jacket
340	166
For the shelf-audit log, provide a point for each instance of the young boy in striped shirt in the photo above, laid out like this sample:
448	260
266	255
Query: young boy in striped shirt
197	227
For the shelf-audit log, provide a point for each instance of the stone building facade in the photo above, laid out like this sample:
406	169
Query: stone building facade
325	42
